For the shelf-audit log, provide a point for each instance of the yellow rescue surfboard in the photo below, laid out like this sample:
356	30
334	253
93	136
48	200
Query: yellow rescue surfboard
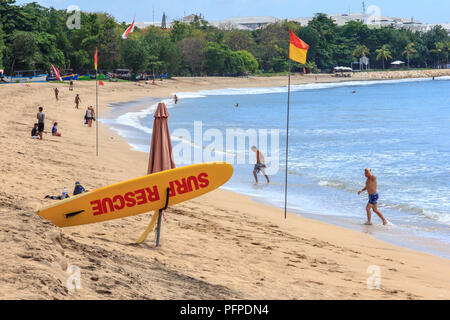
139	195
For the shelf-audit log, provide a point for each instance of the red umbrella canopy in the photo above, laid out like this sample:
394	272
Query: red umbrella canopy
161	156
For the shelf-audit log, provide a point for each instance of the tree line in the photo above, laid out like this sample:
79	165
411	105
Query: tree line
34	37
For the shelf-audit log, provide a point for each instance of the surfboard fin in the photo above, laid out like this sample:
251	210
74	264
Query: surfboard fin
152	223
150	227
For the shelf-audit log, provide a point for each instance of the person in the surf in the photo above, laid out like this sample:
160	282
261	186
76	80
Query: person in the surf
260	165
371	188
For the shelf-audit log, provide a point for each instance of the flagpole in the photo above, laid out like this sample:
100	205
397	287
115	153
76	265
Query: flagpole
96	108
287	142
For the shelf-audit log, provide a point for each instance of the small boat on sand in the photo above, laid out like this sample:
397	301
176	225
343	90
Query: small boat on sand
26	76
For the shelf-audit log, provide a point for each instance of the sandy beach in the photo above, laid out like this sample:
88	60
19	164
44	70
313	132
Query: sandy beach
220	246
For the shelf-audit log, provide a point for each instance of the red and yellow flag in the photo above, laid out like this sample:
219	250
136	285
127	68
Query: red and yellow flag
96	59
298	49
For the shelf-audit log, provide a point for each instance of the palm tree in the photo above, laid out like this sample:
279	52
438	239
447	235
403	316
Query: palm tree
409	50
383	53
438	49
361	51
447	50
311	66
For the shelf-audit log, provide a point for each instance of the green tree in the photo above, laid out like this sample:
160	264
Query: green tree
311	66
216	56
239	40
23	50
248	60
383	54
161	46
193	50
439	49
136	55
361	51
2	45
409	50
180	31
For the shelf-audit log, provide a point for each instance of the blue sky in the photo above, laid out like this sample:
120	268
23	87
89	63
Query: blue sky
428	11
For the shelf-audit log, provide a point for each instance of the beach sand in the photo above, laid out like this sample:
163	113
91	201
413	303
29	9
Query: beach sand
220	246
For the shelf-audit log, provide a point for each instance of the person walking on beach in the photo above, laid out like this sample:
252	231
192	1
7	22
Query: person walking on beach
260	165
371	188
57	94
71	85
41	122
90	115
77	101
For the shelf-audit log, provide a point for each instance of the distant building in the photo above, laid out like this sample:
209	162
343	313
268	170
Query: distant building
255	23
164	22
193	17
244	23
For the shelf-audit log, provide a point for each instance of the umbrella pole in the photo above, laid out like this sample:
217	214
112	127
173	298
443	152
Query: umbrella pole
158	230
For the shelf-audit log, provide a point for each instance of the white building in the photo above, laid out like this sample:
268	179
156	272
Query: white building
244	23
254	23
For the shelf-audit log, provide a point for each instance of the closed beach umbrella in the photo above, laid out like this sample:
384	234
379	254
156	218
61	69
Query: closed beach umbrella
160	159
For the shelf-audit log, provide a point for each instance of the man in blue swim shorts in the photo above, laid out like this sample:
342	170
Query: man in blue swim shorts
260	165
371	187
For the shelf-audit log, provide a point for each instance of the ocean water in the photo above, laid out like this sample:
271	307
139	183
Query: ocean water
400	129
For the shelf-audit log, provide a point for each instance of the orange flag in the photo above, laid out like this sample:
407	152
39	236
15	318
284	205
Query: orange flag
298	49
96	59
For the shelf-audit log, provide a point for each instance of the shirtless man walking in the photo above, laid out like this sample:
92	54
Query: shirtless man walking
260	165
371	187
77	101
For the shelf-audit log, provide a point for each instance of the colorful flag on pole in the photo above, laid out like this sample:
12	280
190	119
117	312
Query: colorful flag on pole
96	59
129	30
57	74
298	49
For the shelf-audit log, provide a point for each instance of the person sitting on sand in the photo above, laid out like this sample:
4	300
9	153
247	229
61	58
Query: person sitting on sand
371	187
77	101
41	122
260	165
55	132
35	132
57	94
79	189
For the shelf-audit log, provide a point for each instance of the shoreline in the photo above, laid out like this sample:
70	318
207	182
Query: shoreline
400	238
219	246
